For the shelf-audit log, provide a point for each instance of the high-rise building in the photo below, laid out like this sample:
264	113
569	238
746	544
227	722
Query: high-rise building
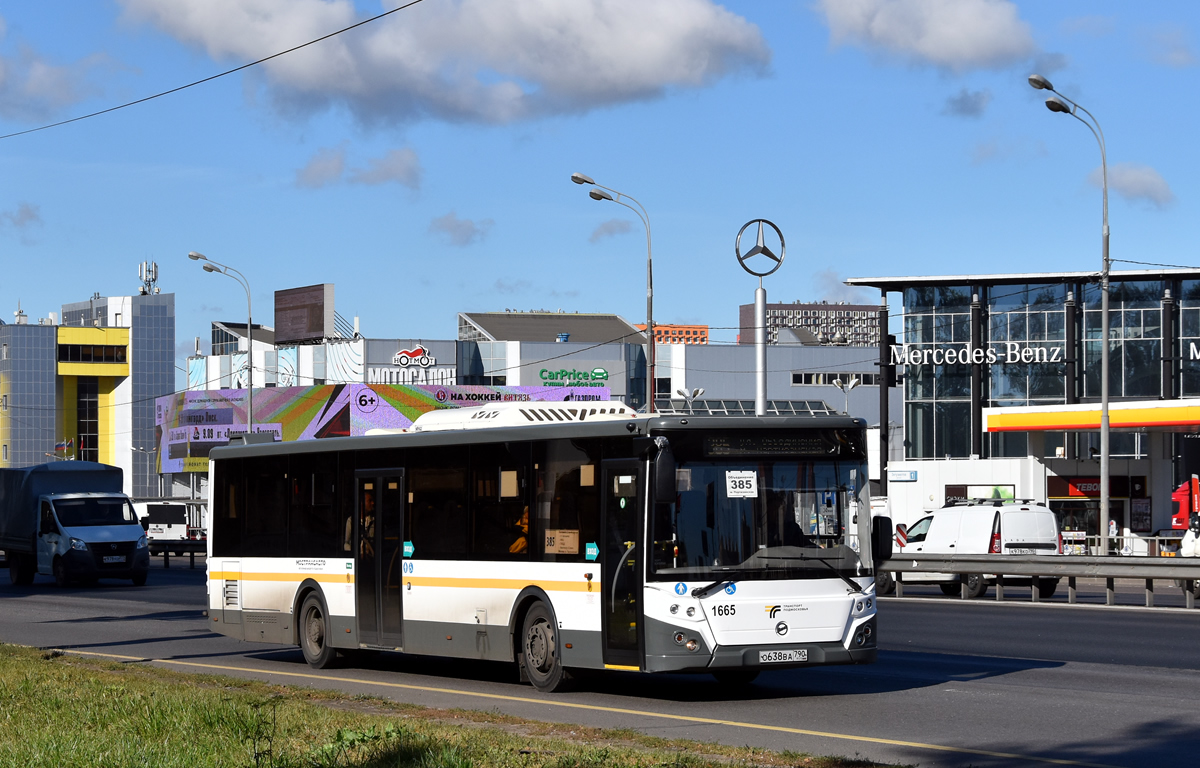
85	388
678	334
854	325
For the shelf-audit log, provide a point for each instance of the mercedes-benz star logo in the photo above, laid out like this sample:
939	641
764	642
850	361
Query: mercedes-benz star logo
760	249
781	628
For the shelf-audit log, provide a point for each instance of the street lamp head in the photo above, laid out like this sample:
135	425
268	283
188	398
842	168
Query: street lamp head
1041	83
1056	105
197	256
581	178
599	194
837	383
697	392
210	268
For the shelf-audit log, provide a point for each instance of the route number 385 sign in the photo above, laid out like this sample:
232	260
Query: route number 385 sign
741	484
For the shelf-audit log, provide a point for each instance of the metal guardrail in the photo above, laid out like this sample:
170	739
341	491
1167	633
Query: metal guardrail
1070	567
190	546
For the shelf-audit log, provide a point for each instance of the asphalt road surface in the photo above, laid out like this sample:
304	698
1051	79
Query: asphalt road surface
957	684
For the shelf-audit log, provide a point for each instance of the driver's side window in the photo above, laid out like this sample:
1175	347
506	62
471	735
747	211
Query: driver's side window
47	519
919	530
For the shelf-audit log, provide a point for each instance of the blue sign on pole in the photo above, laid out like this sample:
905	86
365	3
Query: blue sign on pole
591	550
408	549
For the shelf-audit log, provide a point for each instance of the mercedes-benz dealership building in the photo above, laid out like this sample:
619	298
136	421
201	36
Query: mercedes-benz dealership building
1007	366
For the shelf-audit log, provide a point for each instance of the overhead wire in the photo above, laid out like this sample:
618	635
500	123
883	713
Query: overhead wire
210	78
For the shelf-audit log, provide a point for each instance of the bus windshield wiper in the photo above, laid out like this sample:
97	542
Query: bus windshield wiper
703	591
853	585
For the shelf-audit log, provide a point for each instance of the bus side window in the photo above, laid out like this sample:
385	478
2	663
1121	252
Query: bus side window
227	517
438	498
568	500
499	500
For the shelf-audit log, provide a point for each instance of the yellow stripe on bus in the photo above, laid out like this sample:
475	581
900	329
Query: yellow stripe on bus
623	667
417	581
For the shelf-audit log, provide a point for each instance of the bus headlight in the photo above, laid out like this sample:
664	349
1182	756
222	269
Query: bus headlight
693	646
679	638
674	609
79	545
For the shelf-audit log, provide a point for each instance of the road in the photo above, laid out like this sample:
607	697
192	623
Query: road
957	684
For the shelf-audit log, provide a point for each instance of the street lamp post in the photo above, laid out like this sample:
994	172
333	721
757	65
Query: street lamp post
148	452
846	386
1068	107
690	397
216	266
606	193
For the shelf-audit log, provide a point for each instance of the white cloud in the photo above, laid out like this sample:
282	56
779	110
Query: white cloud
1136	183
399	165
610	228
460	232
325	167
1005	149
33	89
954	34
512	286
1169	46
968	103
490	61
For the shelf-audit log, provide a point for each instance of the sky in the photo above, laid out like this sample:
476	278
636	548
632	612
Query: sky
422	162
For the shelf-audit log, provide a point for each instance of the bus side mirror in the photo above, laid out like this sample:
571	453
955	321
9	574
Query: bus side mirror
881	538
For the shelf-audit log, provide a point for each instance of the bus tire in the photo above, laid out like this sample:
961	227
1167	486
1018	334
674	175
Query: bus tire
736	678
539	649
60	573
314	633
977	586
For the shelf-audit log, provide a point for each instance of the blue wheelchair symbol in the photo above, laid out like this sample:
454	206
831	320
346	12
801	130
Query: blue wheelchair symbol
731	589
681	588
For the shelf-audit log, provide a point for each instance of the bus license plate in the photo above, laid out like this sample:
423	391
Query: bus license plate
114	558
773	657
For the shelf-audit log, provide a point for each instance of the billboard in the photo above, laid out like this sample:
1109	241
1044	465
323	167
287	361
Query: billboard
304	315
190	424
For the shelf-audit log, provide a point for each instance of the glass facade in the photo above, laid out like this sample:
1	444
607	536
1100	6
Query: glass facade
1040	344
937	394
27	398
152	368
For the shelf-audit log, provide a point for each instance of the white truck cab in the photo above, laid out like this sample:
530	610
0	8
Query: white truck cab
88	536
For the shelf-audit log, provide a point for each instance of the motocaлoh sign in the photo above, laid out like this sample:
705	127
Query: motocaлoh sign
1008	352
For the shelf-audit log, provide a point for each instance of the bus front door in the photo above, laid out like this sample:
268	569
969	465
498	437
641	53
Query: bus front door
379	547
621	563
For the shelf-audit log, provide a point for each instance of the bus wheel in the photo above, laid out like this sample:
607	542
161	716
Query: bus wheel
977	586
736	678
539	645
314	633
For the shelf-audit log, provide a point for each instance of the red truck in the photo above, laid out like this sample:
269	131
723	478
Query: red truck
1185	502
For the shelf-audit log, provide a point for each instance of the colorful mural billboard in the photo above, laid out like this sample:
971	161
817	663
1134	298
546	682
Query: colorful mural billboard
189	424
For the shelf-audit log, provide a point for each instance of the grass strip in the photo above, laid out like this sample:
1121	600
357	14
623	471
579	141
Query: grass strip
63	710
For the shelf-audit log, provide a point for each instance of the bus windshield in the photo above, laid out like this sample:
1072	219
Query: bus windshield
759	518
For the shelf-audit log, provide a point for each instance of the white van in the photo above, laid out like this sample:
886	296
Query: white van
982	527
